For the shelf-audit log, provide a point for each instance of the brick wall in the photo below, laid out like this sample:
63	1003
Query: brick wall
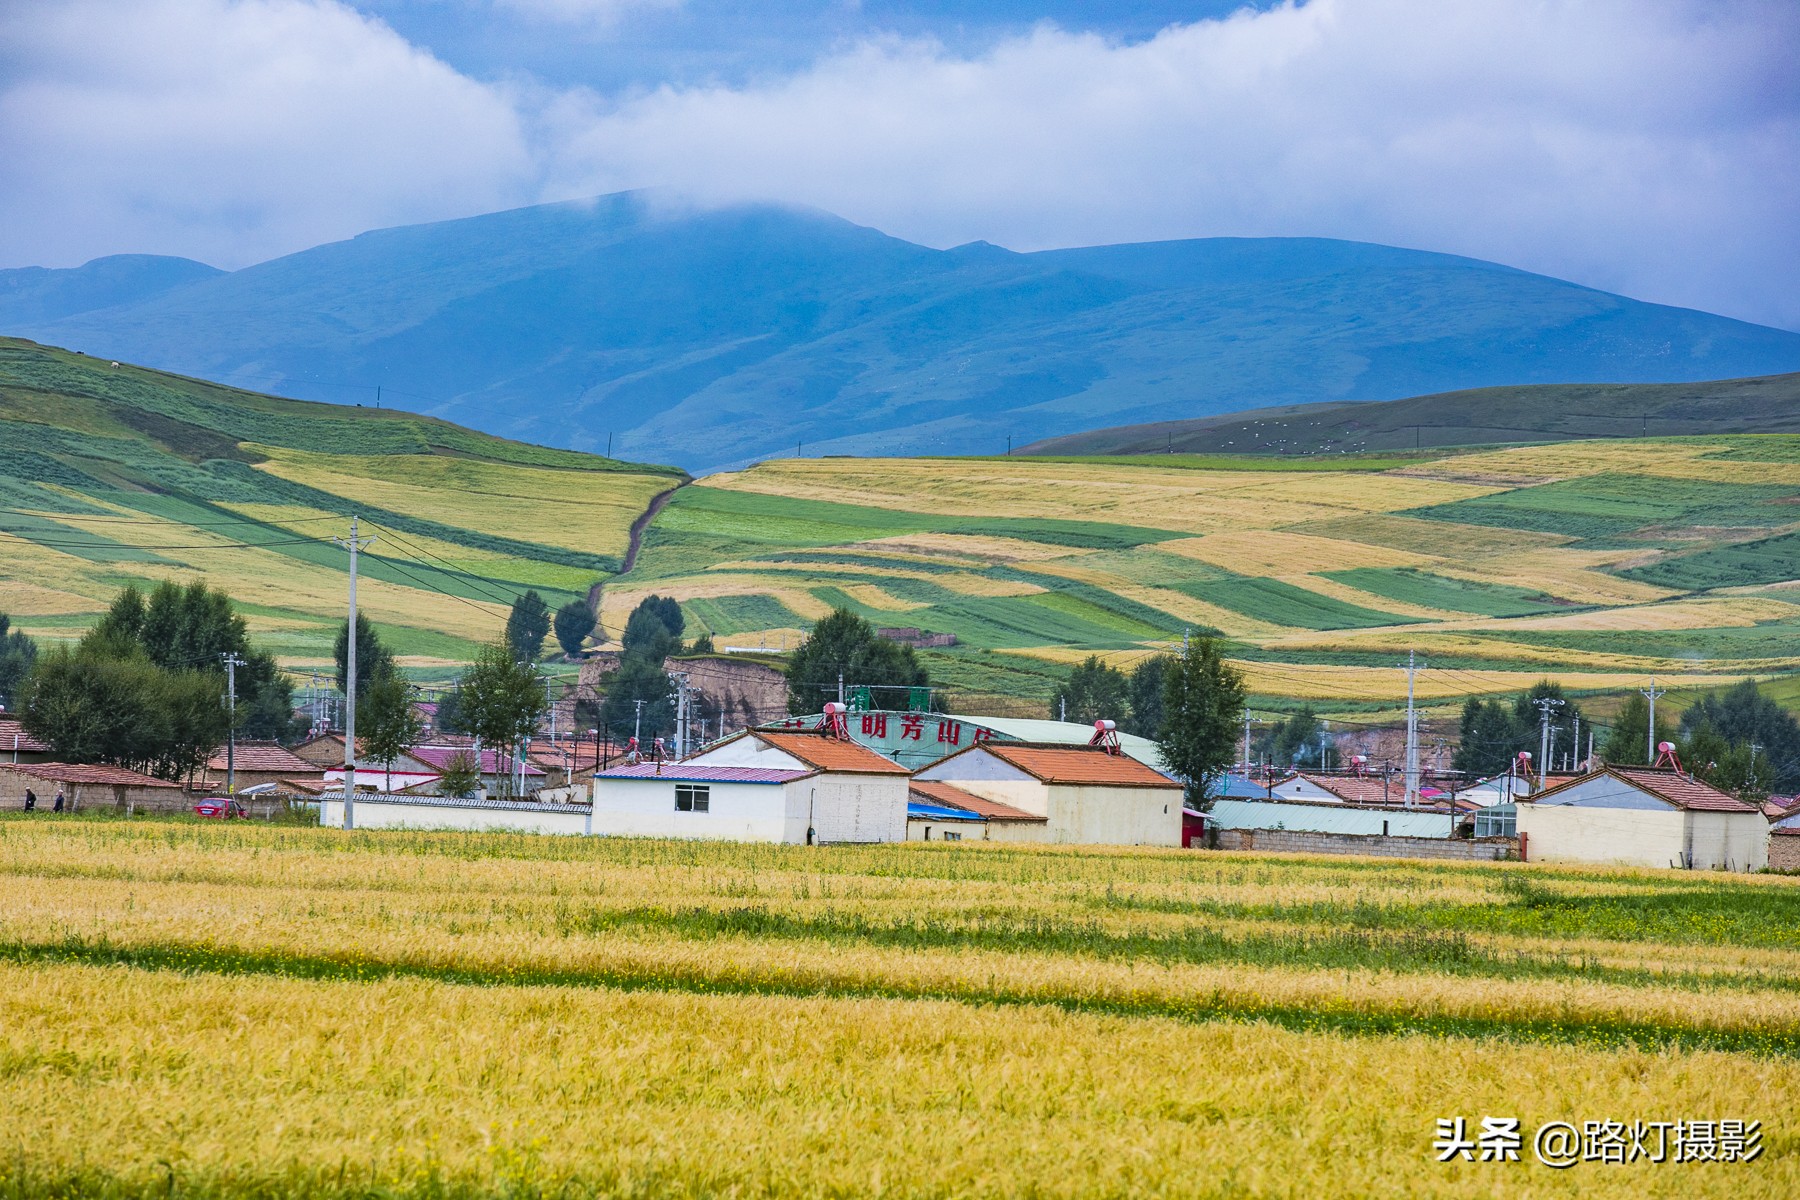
1784	852
1294	841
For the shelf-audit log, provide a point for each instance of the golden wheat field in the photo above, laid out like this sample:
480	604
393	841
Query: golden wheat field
277	1011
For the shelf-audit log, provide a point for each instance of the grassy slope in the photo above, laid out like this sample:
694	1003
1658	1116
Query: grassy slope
1600	563
116	474
462	1015
1478	416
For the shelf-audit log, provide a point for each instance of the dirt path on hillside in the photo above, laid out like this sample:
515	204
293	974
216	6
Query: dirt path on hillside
635	544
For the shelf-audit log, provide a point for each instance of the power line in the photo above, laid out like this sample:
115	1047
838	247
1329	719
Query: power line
161	545
109	519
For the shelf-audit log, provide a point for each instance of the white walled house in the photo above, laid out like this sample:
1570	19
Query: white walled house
1086	794
759	786
1643	816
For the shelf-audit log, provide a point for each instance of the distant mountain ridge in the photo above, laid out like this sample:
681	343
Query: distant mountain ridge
713	337
1544	412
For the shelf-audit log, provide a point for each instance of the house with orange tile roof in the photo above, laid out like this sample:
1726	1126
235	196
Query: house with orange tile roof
761	785
251	764
1087	795
946	813
1643	816
17	746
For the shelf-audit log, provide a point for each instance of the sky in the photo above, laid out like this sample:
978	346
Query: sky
1649	147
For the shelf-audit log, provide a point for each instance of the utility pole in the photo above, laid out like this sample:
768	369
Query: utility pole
1246	758
1652	693
1545	706
637	723
1412	733
840	687
1575	742
232	663
353	544
681	713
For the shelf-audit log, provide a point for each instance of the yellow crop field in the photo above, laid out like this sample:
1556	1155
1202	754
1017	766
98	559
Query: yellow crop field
578	510
1279	552
435	1015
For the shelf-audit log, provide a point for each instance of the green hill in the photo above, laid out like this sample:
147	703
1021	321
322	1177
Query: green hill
1552	412
111	473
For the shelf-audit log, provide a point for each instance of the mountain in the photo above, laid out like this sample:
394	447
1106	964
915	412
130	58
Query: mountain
1475	417
31	295
716	336
112	473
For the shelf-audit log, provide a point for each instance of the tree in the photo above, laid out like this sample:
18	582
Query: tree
1299	739
1528	719
387	722
93	706
17	654
1628	742
702	645
265	699
1203	701
373	660
124	619
1145	695
638	678
1093	692
845	646
1744	717
502	698
574	621
647	632
527	626
461	775
1490	736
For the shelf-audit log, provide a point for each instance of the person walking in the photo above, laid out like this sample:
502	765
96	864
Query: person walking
30	800
59	799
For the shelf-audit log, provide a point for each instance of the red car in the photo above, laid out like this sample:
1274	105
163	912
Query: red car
219	806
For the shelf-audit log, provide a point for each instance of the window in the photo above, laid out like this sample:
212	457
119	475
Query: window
950	836
693	797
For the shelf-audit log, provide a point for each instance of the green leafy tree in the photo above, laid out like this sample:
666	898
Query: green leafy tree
638	678
1740	769
574	621
502	698
1299	740
387	722
461	775
1203	702
124	619
17	654
1628	742
1744	717
1489	737
1149	680
95	706
527	626
1093	692
843	644
265	699
373	660
648	634
1528	722
702	645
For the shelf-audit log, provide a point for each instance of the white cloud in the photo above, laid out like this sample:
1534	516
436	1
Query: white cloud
1645	146
231	130
1650	148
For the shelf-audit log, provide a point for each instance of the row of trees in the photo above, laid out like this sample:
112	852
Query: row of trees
145	688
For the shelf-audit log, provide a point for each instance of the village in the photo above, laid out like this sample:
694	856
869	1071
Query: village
850	775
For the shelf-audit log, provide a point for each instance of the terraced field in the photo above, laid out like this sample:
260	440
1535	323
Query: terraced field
117	474
206	1011
1599	563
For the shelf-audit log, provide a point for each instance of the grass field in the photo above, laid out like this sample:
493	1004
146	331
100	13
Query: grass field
111	475
1591	562
206	1011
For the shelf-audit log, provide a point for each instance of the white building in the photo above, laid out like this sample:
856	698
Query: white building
1086	794
1643	816
795	787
